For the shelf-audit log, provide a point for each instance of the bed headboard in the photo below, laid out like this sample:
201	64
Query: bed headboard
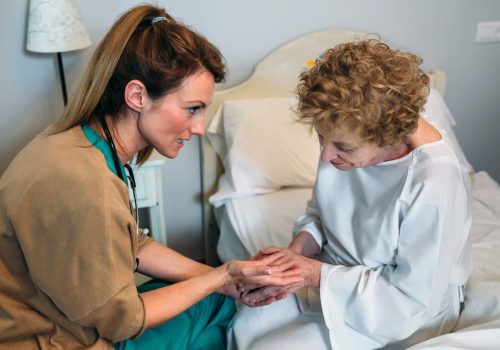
274	76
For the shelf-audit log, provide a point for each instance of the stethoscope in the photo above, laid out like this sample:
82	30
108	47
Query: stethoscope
117	163
130	176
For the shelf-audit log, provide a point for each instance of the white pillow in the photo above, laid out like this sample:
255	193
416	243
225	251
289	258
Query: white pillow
262	146
436	111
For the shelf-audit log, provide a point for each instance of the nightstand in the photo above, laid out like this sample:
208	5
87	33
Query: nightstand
149	192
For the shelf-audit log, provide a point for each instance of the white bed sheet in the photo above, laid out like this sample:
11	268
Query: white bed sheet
250	223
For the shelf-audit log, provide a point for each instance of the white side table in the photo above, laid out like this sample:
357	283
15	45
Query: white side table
149	192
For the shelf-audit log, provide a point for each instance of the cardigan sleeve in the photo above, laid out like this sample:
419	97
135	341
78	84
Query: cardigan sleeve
79	241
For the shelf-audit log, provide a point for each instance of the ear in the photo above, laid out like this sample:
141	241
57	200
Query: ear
135	95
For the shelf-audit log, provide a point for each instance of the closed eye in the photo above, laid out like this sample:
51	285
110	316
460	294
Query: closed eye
341	147
347	150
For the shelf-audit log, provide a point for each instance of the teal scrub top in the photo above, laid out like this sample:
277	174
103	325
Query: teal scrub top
103	146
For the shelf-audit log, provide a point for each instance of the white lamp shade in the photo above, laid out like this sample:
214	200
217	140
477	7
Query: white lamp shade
55	26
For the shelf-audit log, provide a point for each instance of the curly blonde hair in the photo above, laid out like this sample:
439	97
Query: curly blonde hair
367	88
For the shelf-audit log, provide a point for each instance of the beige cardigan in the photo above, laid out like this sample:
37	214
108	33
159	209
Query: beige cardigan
68	244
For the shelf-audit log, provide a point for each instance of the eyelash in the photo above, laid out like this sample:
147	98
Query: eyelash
193	110
345	150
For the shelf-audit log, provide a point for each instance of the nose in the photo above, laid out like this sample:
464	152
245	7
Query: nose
329	153
197	126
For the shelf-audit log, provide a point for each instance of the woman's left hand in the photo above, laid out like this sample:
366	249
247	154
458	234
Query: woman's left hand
262	272
232	291
253	296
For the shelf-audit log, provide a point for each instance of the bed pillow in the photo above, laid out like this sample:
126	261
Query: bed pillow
263	147
438	114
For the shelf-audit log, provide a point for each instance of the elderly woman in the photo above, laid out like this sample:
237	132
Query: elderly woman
384	239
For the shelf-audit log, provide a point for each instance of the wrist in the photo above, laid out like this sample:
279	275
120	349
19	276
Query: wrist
304	244
222	290
296	248
313	278
297	244
224	277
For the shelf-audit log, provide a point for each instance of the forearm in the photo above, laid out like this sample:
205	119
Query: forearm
167	302
159	261
305	244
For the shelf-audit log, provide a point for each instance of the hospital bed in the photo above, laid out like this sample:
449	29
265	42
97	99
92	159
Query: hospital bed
259	168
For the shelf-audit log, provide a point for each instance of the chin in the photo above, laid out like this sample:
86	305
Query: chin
168	154
172	155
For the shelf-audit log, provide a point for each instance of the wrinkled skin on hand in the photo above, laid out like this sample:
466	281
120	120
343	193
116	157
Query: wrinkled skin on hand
263	271
255	295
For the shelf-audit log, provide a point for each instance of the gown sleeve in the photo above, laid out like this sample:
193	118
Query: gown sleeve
310	222
366	308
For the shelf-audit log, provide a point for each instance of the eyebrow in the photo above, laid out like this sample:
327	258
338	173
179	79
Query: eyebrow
201	103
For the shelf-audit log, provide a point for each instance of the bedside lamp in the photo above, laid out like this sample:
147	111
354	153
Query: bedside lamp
55	26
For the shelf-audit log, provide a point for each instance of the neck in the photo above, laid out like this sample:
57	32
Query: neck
125	136
424	134
397	151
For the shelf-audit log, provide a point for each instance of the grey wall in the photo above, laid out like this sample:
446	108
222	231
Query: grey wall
442	32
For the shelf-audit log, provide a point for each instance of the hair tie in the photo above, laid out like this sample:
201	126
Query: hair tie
158	19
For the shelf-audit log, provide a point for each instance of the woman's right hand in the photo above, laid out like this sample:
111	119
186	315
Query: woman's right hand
261	273
253	295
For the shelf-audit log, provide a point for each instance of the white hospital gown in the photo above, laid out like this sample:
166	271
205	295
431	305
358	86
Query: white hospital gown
395	246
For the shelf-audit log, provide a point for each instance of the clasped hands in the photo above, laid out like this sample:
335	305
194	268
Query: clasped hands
290	272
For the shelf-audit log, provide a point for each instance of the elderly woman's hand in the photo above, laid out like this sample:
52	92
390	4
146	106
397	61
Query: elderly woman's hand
262	272
289	260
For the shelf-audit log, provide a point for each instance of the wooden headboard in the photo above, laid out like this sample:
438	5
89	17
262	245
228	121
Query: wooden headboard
274	76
